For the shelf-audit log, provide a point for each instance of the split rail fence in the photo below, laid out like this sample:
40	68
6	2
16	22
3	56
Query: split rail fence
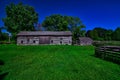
111	53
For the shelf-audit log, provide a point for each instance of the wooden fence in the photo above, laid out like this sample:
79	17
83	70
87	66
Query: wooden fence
111	53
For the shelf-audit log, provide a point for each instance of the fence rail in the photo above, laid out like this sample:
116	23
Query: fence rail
111	53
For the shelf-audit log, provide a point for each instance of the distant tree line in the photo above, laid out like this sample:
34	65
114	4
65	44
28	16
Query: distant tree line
21	17
102	34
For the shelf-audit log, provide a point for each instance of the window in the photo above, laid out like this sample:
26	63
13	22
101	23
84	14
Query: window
69	41
51	41
22	42
28	40
34	41
60	42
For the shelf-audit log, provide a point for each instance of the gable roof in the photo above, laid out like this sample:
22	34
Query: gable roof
44	33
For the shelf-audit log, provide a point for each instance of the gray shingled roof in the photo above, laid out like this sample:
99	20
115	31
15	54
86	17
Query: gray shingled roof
25	33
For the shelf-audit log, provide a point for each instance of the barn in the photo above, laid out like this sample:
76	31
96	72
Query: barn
85	41
44	37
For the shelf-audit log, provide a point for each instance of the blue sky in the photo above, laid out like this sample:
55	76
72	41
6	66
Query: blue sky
93	13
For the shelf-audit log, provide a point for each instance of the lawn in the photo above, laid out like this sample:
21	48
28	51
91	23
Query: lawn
55	63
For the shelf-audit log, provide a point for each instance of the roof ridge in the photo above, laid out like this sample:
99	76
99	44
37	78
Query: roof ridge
45	33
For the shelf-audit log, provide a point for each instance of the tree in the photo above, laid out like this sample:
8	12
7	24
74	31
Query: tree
93	34
116	34
0	33
5	36
20	18
55	22
75	25
109	35
99	33
64	23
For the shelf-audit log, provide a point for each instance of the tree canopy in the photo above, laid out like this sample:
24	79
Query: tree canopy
20	17
55	23
116	34
0	34
58	22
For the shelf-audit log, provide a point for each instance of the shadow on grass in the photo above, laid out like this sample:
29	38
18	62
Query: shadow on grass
3	75
112	60
2	62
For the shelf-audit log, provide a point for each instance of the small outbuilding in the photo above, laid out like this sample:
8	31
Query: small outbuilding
85	41
44	37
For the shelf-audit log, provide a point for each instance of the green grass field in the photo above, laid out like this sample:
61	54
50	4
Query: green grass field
55	63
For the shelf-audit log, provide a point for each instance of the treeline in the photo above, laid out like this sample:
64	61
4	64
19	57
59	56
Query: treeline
102	34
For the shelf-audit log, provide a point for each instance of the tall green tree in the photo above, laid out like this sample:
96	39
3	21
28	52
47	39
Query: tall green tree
73	22
20	17
55	22
109	35
58	22
101	33
1	34
75	25
5	36
116	34
93	34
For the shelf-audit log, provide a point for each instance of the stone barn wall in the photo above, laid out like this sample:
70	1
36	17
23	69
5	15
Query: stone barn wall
85	41
23	40
61	40
36	38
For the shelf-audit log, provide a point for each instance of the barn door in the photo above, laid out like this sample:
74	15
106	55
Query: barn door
44	40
